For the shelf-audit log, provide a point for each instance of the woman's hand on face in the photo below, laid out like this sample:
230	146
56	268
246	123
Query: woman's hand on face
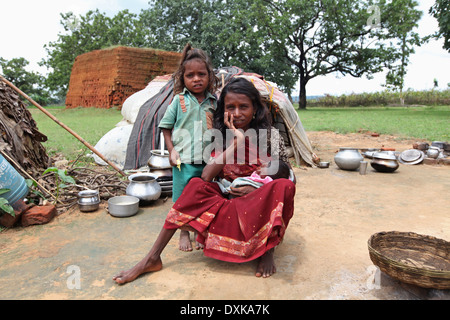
241	191
228	120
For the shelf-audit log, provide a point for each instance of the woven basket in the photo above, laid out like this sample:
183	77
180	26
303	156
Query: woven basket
412	258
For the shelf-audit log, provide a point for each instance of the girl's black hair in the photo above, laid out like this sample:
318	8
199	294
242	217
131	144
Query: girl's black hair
262	119
190	53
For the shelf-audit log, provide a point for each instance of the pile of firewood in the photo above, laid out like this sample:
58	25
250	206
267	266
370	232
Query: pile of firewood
107	182
20	138
20	145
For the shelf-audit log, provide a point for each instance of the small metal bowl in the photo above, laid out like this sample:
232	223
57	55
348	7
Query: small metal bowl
323	164
88	207
88	200
123	206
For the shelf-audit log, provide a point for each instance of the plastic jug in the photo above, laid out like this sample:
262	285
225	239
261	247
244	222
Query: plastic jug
12	180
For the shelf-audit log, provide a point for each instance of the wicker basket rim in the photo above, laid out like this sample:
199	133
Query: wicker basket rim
396	263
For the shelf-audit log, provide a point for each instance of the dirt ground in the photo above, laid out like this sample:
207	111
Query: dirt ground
324	255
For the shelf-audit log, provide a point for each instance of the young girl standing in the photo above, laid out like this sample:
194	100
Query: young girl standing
186	119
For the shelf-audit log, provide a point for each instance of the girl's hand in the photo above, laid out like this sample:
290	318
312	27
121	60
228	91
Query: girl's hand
174	157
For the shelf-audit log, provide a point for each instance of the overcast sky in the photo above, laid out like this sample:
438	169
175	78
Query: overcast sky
27	25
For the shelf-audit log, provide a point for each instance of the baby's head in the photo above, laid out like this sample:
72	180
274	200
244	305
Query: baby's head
276	169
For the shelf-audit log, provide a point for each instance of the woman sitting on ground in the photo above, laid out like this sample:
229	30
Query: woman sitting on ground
248	226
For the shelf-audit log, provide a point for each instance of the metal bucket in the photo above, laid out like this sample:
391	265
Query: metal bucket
12	180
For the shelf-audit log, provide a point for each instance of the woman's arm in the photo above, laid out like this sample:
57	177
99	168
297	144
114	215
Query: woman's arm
282	154
293	177
241	191
213	168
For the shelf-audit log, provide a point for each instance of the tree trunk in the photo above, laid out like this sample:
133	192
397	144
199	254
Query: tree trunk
402	69
302	95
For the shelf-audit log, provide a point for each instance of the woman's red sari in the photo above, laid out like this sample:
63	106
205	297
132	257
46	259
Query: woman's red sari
235	230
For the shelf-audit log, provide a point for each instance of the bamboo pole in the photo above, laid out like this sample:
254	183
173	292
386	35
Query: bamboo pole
63	125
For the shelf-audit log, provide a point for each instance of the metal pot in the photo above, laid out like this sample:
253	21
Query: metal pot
158	160
384	162
433	152
158	173
348	158
323	164
411	156
438	144
123	206
446	146
143	186
88	200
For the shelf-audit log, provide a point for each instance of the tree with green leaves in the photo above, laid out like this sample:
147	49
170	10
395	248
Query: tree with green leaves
441	11
224	29
86	33
31	83
403	20
328	36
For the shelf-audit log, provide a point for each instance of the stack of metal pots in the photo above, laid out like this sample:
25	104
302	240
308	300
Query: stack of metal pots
160	167
384	161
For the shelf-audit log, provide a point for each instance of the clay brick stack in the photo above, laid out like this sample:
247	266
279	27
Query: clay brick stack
27	215
105	78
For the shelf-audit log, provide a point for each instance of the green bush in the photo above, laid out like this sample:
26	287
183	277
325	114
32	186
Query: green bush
384	98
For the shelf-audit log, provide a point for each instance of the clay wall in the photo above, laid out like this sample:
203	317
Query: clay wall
105	78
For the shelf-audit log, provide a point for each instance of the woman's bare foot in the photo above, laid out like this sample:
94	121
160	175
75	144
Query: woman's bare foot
266	266
185	241
144	266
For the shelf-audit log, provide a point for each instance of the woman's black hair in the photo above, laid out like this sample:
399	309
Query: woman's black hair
262	119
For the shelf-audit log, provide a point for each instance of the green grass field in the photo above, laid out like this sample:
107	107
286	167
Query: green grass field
431	123
89	123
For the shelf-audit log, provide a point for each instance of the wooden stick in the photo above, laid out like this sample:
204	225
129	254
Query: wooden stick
63	125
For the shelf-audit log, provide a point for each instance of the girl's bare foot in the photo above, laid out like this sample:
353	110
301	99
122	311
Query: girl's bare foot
198	245
266	266
185	241
146	265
